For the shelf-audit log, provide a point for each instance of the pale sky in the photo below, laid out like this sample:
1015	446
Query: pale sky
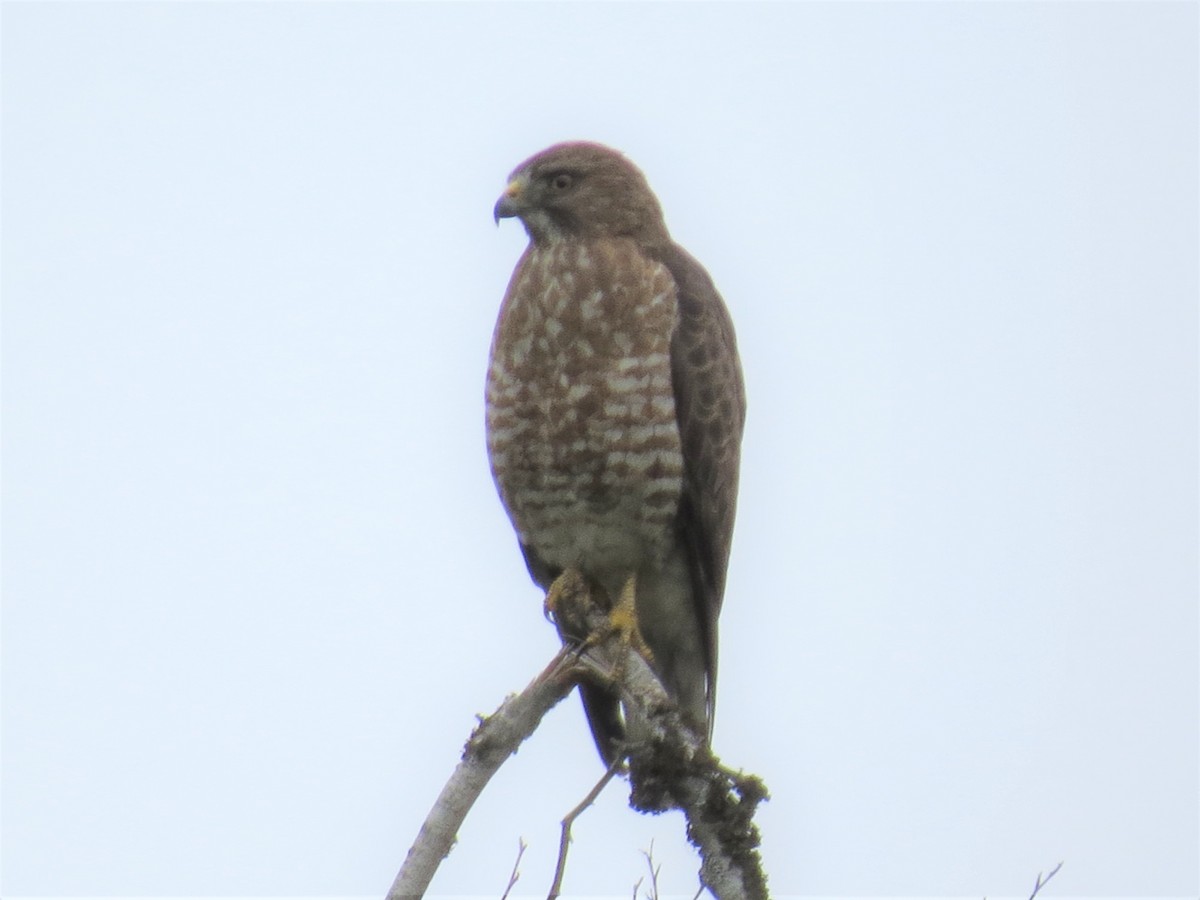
257	582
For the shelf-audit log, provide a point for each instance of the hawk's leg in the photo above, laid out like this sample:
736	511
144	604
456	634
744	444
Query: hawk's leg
624	619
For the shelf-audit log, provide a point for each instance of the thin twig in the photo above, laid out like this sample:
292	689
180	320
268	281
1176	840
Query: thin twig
654	870
564	841
516	872
1042	882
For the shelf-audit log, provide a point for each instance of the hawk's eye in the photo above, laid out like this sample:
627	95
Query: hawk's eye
561	181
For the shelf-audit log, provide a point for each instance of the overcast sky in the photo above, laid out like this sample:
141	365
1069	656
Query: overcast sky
257	581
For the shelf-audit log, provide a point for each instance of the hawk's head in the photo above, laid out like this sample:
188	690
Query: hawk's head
581	189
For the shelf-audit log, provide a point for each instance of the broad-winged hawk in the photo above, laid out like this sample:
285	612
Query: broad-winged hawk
615	409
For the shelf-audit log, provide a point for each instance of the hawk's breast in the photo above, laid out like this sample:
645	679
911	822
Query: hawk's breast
581	424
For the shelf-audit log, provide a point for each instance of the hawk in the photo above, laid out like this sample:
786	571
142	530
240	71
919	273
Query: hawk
615	408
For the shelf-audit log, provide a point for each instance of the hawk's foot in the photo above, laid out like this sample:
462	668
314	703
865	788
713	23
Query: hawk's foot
568	601
564	589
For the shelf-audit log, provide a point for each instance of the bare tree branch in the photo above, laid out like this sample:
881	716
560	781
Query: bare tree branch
493	741
670	767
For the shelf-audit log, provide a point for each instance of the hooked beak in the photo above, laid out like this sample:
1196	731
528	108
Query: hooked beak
509	203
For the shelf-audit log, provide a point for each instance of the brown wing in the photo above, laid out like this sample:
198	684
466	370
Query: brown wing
710	405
